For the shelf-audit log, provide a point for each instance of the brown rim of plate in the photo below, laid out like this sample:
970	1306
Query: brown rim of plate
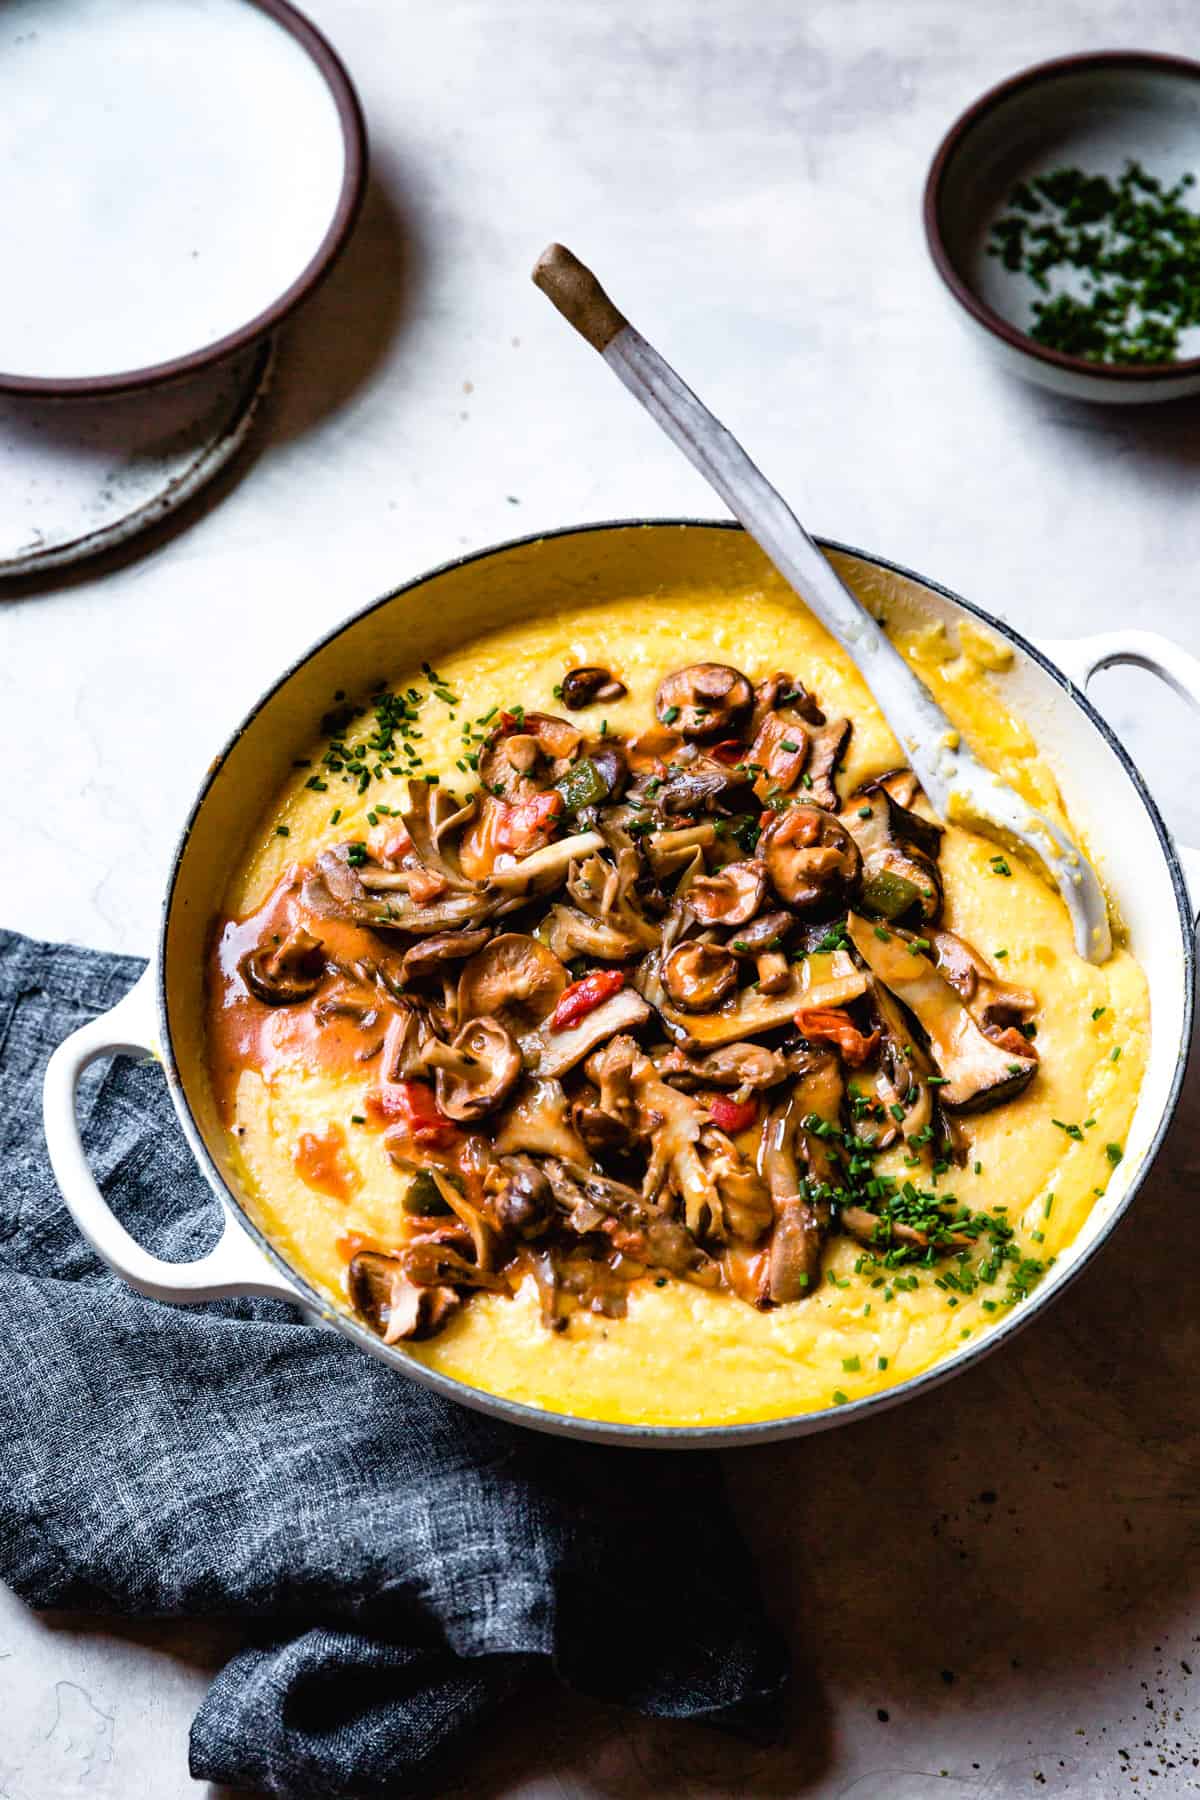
354	179
966	297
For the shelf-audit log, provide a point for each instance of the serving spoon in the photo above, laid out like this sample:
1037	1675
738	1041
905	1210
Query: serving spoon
957	785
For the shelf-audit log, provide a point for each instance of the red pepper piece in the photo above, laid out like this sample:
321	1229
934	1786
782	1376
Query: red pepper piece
583	997
412	1104
833	1026
732	1115
524	820
728	751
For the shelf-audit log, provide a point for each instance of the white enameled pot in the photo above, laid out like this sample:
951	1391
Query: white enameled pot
164	1013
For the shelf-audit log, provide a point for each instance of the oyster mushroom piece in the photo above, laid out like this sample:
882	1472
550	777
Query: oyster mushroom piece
570	932
391	1304
513	979
588	684
606	891
697	788
828	748
801	1172
903	1077
551	1053
975	1072
335	890
812	860
643	1230
543	869
876	1233
898	849
284	973
698	976
819	981
996	1006
730	897
431	956
474	1073
538	1121
734	1066
670	851
403	1056
704	701
744	1198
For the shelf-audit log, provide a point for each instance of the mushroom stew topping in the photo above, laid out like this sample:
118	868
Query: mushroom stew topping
643	1007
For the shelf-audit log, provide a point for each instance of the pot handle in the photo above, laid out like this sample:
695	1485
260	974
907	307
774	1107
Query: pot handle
235	1265
1081	658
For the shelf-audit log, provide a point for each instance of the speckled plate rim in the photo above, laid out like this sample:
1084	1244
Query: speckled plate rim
208	462
679	1437
1141	375
354	180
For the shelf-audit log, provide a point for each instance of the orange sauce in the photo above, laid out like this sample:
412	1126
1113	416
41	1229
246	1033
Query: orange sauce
339	1030
320	1159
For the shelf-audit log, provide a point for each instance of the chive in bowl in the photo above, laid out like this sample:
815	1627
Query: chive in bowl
1129	117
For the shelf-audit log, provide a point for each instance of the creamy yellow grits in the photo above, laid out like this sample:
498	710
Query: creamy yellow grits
684	1355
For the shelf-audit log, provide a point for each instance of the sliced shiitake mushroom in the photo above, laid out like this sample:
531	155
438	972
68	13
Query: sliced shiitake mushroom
589	684
514	979
900	875
525	1203
704	701
765	933
730	897
698	976
431	955
611	763
476	1072
394	1306
826	752
282	973
779	690
811	858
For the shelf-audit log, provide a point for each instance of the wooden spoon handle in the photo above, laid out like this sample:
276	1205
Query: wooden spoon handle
578	296
947	768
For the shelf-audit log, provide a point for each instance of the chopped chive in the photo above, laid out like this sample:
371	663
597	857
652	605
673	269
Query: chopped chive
1114	1153
282	831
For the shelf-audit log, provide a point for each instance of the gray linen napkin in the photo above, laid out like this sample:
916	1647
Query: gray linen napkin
401	1564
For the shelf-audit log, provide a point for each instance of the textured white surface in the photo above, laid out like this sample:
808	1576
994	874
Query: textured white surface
747	180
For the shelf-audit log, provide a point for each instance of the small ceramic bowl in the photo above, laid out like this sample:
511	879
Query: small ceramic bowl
1095	112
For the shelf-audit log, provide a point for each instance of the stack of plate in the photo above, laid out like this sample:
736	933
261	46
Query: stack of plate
174	180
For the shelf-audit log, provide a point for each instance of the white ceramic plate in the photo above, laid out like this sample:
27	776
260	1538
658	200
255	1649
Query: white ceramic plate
80	477
175	176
